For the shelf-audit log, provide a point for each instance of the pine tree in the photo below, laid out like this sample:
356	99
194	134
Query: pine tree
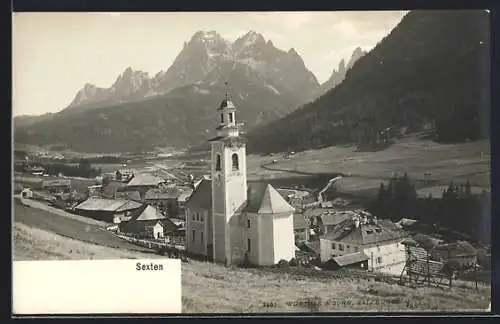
468	191
382	193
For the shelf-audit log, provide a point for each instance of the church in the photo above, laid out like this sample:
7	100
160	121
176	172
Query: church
230	221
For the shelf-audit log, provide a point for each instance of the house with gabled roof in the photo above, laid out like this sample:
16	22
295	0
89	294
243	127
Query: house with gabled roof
230	221
142	182
164	198
301	228
149	223
380	240
108	210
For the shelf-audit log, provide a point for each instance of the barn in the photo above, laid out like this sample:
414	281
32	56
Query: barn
108	210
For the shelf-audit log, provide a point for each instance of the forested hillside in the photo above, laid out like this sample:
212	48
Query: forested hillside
432	69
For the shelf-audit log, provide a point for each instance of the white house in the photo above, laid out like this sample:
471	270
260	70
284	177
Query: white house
27	193
232	222
379	240
148	222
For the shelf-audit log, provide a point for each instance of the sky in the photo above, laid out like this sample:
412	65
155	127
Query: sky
55	54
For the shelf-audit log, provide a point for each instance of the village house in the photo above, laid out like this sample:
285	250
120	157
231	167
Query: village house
379	240
107	189
36	170
129	195
143	182
198	223
164	198
108	210
182	200
94	191
57	185
300	228
458	254
27	193
147	223
328	219
233	222
124	175
356	260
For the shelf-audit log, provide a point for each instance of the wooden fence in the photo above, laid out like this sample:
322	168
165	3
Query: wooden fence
149	243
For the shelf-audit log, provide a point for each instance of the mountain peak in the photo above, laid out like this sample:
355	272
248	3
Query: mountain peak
205	36
356	55
254	37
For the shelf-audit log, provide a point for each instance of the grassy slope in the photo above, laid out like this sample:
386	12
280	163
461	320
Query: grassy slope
367	169
213	288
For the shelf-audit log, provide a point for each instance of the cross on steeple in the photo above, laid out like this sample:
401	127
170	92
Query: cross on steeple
226	86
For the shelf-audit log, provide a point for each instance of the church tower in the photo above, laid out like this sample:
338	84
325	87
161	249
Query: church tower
229	180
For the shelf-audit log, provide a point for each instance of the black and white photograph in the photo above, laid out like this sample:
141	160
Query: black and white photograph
292	162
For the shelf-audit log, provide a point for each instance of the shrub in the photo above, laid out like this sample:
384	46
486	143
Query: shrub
282	263
292	262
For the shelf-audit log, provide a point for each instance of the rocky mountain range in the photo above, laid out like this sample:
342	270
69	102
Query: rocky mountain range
338	74
265	82
209	59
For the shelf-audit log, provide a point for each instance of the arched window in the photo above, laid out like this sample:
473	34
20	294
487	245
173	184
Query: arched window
231	117
218	163
236	165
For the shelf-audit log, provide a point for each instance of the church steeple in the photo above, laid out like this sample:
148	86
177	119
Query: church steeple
229	179
227	123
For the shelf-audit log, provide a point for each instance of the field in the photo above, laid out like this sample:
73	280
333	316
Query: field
208	287
74	227
35	244
423	161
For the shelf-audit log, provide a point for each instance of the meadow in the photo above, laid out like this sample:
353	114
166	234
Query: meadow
209	288
424	161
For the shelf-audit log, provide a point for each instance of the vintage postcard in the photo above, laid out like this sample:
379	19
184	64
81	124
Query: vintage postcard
251	162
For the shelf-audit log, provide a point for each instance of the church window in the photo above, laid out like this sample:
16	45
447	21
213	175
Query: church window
248	223
333	246
249	245
201	237
201	217
231	117
194	235
218	163
222	118
236	165
341	247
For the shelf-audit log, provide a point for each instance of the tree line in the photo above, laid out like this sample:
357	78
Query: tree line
458	209
83	169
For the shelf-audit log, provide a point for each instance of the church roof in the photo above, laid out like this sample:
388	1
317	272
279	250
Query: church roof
264	199
226	104
202	195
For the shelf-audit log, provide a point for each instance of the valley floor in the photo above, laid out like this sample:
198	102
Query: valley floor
423	160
